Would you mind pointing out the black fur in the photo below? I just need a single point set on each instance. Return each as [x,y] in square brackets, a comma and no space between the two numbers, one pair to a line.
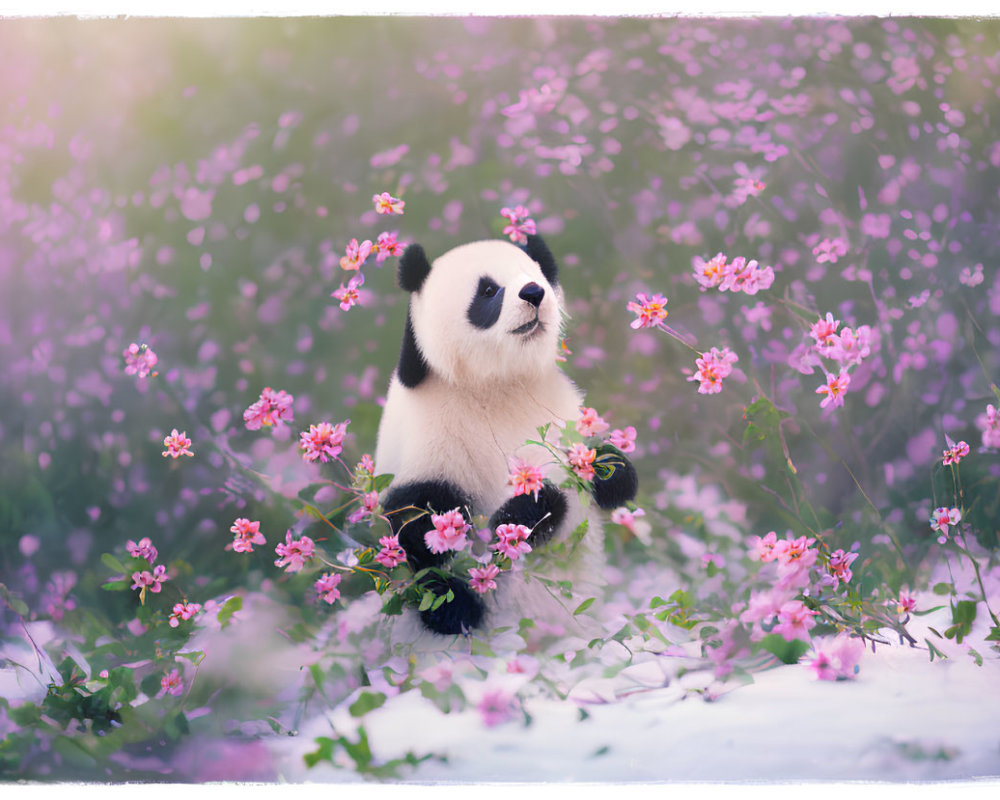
[543,516]
[539,252]
[413,268]
[621,485]
[411,525]
[462,614]
[485,308]
[412,367]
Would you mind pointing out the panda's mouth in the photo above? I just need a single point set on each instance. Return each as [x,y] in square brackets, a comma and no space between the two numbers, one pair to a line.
[528,327]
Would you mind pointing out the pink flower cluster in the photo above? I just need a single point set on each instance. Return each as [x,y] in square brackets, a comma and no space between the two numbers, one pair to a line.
[830,250]
[590,423]
[650,311]
[713,368]
[172,683]
[177,444]
[270,409]
[369,503]
[356,253]
[139,360]
[840,567]
[847,347]
[245,535]
[150,580]
[835,659]
[448,532]
[144,549]
[294,554]
[512,541]
[520,224]
[941,519]
[738,275]
[581,459]
[183,611]
[323,441]
[326,587]
[392,554]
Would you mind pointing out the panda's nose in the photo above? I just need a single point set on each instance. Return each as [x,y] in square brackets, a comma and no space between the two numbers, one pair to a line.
[533,293]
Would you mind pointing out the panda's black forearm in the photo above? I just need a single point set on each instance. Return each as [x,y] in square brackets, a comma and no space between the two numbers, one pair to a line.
[409,508]
[618,487]
[463,613]
[543,516]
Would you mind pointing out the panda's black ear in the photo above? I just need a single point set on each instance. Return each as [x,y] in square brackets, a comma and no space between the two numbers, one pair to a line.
[413,268]
[412,368]
[539,252]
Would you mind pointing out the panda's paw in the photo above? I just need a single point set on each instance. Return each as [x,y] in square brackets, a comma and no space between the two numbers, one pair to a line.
[409,507]
[463,613]
[543,516]
[616,481]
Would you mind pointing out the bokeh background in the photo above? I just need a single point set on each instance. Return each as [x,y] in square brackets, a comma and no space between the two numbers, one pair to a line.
[192,185]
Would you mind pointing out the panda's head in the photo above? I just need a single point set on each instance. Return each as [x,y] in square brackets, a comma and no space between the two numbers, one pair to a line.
[483,313]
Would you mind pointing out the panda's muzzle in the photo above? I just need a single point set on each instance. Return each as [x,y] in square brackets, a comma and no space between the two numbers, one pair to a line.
[531,293]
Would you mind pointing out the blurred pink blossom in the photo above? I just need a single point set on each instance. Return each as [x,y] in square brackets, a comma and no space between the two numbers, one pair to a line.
[183,611]
[391,555]
[270,409]
[581,459]
[139,360]
[835,659]
[624,440]
[385,203]
[526,478]
[520,224]
[482,579]
[172,683]
[369,502]
[177,445]
[326,587]
[590,423]
[941,519]
[496,707]
[795,620]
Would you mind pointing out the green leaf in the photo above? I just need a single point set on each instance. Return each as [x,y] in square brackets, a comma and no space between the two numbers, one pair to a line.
[115,586]
[994,635]
[367,701]
[943,588]
[323,753]
[426,601]
[382,482]
[787,652]
[393,606]
[113,563]
[584,605]
[230,607]
[16,603]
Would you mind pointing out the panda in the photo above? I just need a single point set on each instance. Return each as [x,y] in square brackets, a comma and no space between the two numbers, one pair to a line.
[477,376]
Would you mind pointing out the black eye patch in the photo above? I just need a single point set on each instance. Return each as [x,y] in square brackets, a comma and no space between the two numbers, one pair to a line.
[484,310]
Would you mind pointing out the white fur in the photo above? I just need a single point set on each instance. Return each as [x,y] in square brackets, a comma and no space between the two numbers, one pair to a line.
[486,394]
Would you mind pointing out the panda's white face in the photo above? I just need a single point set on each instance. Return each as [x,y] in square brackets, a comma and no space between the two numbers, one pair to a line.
[486,313]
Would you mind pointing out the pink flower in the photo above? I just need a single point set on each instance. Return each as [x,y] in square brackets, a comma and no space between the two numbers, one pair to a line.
[840,567]
[590,423]
[581,459]
[764,547]
[149,580]
[369,502]
[482,579]
[139,360]
[246,535]
[172,683]
[356,254]
[622,516]
[713,368]
[448,533]
[830,250]
[942,518]
[746,276]
[365,465]
[789,551]
[323,441]
[624,440]
[521,224]
[496,706]
[177,444]
[955,453]
[387,245]
[835,659]
[385,203]
[391,555]
[271,408]
[835,388]
[971,276]
[326,587]
[823,331]
[650,311]
[905,603]
[183,611]
[144,549]
[989,424]
[294,554]
[794,620]
[525,478]
[713,558]
[350,295]
[710,273]
[849,347]
[763,607]
[512,541]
